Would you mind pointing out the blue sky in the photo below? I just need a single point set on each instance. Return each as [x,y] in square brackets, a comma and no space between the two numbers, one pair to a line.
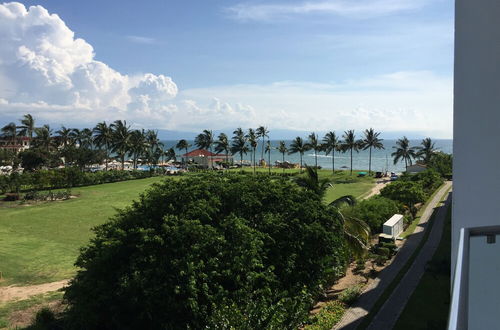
[346,64]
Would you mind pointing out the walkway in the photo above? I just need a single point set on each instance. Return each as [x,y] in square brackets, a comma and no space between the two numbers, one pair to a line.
[354,315]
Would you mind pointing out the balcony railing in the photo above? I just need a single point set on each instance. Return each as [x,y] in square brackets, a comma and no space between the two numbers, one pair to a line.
[475,302]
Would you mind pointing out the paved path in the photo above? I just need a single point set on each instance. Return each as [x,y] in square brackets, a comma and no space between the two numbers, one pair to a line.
[354,315]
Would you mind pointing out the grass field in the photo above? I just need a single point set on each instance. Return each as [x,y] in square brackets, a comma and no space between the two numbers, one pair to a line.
[39,243]
[429,304]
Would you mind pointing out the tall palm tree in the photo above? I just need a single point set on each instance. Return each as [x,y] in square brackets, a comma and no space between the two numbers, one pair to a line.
[152,144]
[137,146]
[183,145]
[103,137]
[426,150]
[44,137]
[350,143]
[10,131]
[205,141]
[403,151]
[371,140]
[252,140]
[283,150]
[298,146]
[27,126]
[331,144]
[268,151]
[120,139]
[170,154]
[262,132]
[64,136]
[86,139]
[222,145]
[313,144]
[239,144]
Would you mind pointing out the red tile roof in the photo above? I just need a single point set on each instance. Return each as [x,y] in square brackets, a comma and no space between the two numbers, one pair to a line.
[199,153]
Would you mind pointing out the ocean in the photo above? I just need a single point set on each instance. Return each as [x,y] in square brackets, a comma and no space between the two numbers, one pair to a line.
[381,159]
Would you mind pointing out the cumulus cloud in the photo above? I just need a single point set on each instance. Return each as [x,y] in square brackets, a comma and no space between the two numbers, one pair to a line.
[41,62]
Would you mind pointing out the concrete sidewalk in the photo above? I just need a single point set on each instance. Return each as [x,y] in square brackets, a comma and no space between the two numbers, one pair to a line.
[354,315]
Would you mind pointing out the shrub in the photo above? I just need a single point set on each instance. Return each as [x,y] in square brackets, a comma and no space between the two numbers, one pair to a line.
[351,294]
[375,211]
[383,251]
[211,251]
[381,260]
[390,246]
[406,192]
[430,180]
[360,266]
[328,316]
[11,197]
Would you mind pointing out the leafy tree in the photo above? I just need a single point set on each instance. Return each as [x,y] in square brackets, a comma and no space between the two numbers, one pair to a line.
[374,211]
[298,146]
[426,150]
[442,163]
[209,251]
[331,144]
[33,159]
[350,143]
[283,150]
[183,145]
[403,151]
[314,144]
[262,132]
[371,140]
[407,192]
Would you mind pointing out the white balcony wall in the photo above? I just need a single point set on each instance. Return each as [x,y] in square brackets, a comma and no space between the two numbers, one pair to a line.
[476,141]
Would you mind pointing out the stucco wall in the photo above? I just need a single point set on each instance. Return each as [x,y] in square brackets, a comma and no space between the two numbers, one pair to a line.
[476,141]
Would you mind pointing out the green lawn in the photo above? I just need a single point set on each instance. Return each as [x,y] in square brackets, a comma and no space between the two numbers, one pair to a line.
[40,243]
[429,304]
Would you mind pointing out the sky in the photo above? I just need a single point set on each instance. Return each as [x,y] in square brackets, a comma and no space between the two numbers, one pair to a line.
[312,65]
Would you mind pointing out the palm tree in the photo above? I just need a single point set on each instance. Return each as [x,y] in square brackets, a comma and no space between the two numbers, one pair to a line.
[403,151]
[298,146]
[44,137]
[283,150]
[137,146]
[313,144]
[120,139]
[262,132]
[350,143]
[268,150]
[10,131]
[102,138]
[222,145]
[426,150]
[152,144]
[331,144]
[170,154]
[27,126]
[370,141]
[183,145]
[252,140]
[311,181]
[239,144]
[205,141]
[64,136]
[86,139]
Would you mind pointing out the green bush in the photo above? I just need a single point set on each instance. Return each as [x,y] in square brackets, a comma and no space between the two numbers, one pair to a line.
[383,251]
[375,211]
[390,246]
[406,192]
[351,294]
[430,180]
[328,316]
[211,251]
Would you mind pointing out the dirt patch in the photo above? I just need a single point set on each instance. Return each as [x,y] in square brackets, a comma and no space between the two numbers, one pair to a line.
[12,293]
[381,183]
[23,318]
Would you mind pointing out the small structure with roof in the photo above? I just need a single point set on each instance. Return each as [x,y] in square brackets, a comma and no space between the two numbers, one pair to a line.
[206,158]
[416,168]
[393,227]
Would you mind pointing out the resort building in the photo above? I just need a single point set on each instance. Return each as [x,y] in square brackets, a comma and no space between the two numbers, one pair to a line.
[206,158]
[476,178]
[18,144]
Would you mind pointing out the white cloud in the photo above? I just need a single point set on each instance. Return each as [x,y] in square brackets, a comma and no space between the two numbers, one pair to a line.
[142,40]
[355,9]
[41,62]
